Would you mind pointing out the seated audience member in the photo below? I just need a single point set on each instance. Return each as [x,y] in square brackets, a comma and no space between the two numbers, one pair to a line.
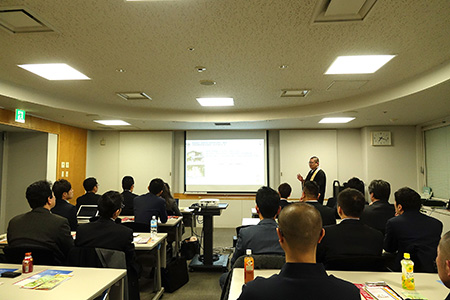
[355,183]
[350,237]
[284,190]
[310,195]
[300,229]
[106,233]
[150,204]
[379,211]
[62,189]
[171,206]
[90,198]
[443,261]
[40,227]
[412,232]
[128,196]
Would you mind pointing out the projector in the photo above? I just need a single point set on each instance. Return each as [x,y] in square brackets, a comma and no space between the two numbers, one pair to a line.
[209,203]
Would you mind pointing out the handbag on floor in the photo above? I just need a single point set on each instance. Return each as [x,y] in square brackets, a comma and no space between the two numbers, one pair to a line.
[190,247]
[175,275]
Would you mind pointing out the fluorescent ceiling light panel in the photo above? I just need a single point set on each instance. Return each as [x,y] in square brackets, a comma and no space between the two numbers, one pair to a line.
[112,122]
[216,101]
[359,64]
[336,120]
[55,71]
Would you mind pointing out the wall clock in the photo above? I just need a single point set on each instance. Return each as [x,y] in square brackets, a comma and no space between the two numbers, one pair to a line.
[381,138]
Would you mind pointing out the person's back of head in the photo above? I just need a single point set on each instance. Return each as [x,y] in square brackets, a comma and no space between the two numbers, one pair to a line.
[311,190]
[301,226]
[443,259]
[352,202]
[89,184]
[127,182]
[284,190]
[381,189]
[156,186]
[109,203]
[60,187]
[268,202]
[408,198]
[355,183]
[166,194]
[37,193]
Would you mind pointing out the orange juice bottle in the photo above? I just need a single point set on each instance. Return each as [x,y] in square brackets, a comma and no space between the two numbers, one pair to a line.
[249,267]
[407,272]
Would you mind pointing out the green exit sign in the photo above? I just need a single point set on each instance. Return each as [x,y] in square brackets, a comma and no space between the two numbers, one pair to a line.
[20,116]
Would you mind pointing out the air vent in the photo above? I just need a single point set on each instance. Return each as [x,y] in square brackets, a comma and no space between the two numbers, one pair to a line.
[22,20]
[294,93]
[342,10]
[344,85]
[134,96]
[222,124]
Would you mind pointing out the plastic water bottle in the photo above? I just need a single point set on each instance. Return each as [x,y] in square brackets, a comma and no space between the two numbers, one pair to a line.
[153,227]
[249,266]
[407,272]
[27,263]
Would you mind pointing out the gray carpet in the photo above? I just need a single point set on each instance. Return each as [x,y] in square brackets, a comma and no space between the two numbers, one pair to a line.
[202,285]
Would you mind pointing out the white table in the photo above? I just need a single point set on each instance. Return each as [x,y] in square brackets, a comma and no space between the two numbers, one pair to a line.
[86,283]
[428,285]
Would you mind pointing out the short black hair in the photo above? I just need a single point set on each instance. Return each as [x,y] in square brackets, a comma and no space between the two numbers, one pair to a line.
[381,189]
[355,183]
[109,203]
[268,201]
[408,198]
[311,189]
[37,193]
[127,182]
[285,190]
[60,187]
[352,202]
[156,186]
[89,184]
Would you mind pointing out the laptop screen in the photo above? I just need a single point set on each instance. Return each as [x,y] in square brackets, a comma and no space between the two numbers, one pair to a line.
[87,211]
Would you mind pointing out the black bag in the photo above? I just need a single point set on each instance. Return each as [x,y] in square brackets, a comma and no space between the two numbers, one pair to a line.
[175,275]
[189,248]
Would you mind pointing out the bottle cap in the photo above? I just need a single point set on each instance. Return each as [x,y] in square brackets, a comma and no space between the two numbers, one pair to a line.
[28,254]
[249,252]
[406,255]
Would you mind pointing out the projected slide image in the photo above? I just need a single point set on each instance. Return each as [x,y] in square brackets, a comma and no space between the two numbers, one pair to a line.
[194,164]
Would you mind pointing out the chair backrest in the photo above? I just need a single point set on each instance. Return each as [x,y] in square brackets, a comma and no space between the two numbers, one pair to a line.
[357,263]
[137,227]
[263,261]
[424,262]
[41,255]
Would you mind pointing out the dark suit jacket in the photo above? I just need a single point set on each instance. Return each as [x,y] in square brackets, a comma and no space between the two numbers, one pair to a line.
[68,211]
[128,200]
[321,180]
[300,281]
[326,213]
[284,203]
[350,237]
[261,238]
[377,214]
[87,199]
[42,228]
[414,233]
[148,205]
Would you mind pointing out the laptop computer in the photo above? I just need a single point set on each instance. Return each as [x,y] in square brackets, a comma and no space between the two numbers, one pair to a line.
[87,211]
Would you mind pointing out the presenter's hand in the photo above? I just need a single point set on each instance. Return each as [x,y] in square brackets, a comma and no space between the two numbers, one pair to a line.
[300,177]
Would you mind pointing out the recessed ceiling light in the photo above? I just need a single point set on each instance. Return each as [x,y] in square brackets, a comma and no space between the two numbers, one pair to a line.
[336,120]
[121,70]
[55,71]
[200,69]
[207,82]
[359,64]
[284,67]
[216,101]
[112,122]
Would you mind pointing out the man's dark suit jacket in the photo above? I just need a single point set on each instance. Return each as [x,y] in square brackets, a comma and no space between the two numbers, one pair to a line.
[261,238]
[377,214]
[300,281]
[148,205]
[68,211]
[321,180]
[128,200]
[350,237]
[42,228]
[284,203]
[87,199]
[414,233]
[326,213]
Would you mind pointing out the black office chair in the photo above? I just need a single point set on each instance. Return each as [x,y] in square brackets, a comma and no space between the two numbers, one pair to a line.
[41,255]
[371,263]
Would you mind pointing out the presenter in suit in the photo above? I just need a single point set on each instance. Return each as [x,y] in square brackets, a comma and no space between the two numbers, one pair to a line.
[443,261]
[317,175]
[300,229]
[90,198]
[128,196]
[62,189]
[151,204]
[310,195]
[106,233]
[350,237]
[40,227]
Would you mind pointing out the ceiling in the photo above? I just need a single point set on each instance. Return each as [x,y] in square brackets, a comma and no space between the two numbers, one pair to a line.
[242,45]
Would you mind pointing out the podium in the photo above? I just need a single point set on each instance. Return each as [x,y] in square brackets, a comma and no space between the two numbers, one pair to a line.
[208,261]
